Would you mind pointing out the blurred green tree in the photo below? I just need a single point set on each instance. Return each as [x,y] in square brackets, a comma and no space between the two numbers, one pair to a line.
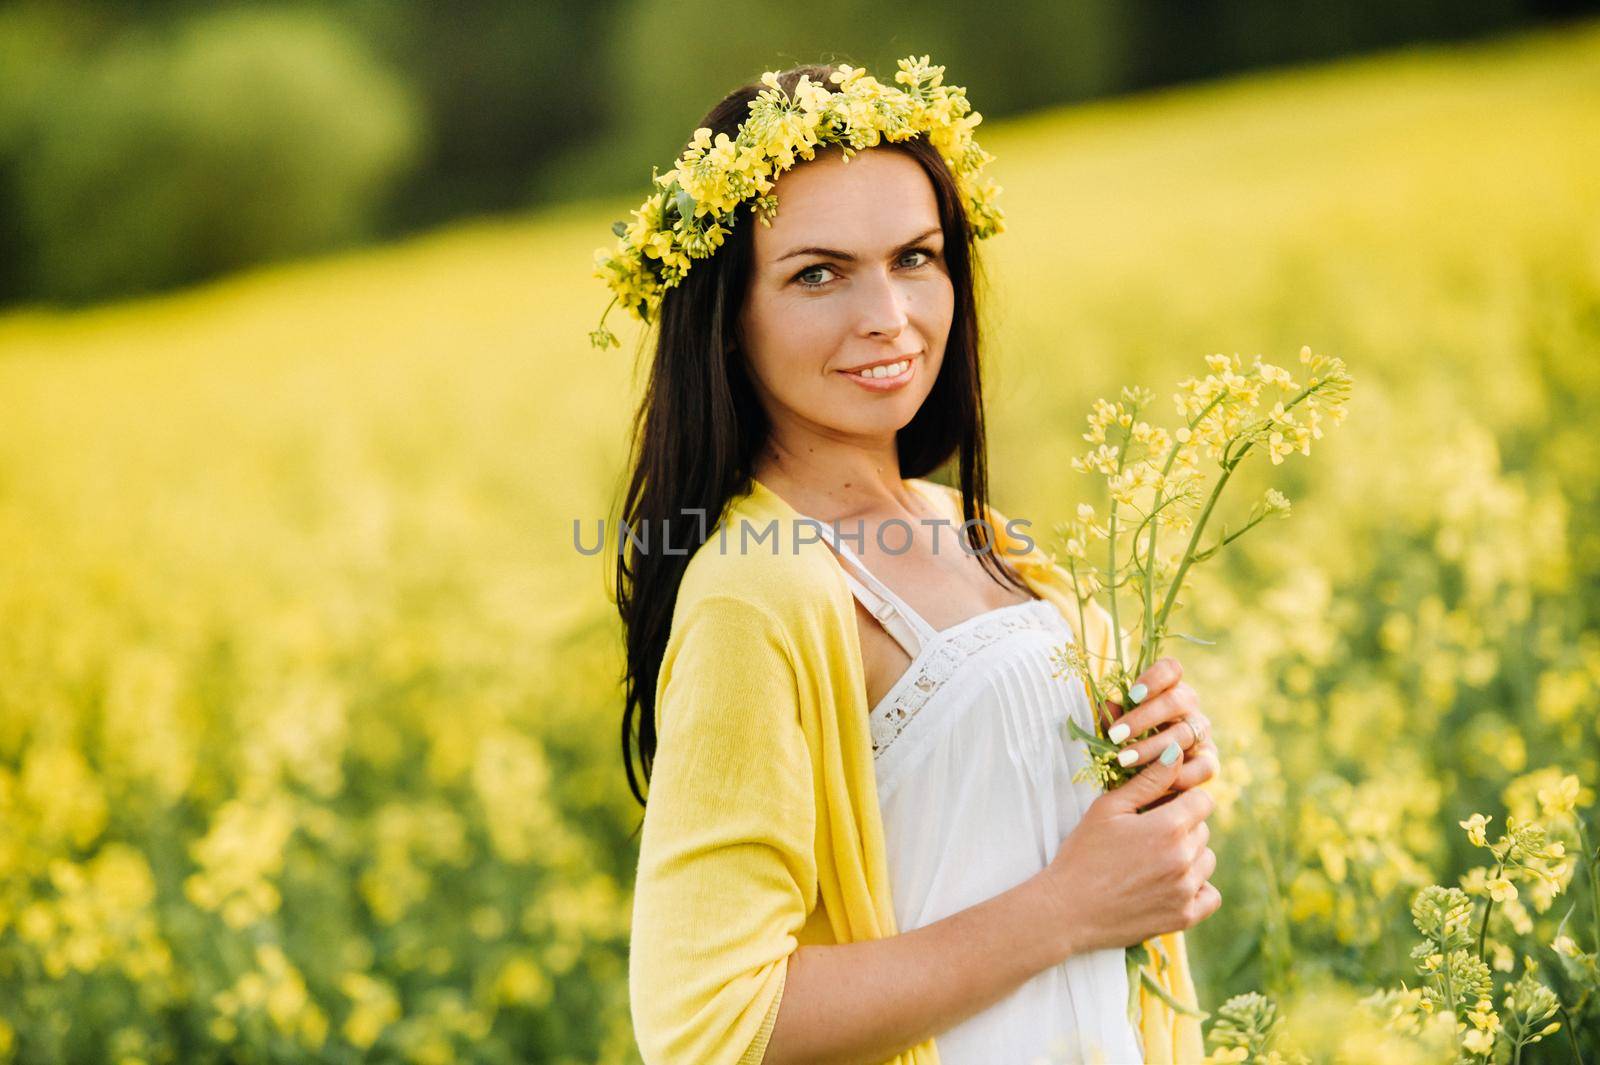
[183,151]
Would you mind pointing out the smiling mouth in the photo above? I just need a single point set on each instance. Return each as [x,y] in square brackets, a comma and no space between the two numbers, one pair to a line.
[888,378]
[893,369]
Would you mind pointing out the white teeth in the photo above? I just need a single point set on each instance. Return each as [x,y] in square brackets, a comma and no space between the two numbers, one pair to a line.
[894,369]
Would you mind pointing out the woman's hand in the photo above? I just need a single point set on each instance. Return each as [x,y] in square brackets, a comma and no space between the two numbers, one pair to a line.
[1173,708]
[1132,867]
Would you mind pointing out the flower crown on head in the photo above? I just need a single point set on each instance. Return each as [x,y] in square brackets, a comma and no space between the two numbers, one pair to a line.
[696,203]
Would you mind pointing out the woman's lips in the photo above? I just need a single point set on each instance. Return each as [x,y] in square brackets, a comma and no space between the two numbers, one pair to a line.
[886,384]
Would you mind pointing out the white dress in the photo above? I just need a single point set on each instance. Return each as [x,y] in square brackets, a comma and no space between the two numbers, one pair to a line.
[974,769]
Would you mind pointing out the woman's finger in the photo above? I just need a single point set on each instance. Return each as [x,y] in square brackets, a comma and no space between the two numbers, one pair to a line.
[1210,899]
[1144,750]
[1162,674]
[1169,706]
[1200,725]
[1201,763]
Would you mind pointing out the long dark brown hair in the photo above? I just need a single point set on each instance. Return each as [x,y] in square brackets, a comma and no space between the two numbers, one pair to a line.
[700,426]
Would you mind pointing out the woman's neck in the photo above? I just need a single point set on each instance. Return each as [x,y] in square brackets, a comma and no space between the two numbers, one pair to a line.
[832,480]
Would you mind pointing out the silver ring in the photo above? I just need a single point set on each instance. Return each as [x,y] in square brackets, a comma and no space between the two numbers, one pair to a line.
[1198,734]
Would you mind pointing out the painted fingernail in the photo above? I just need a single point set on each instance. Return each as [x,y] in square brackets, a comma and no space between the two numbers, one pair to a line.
[1170,755]
[1137,693]
[1118,733]
[1128,757]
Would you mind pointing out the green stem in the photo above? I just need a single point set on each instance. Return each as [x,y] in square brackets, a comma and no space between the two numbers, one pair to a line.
[1229,463]
[1152,643]
[1591,864]
[1147,646]
[1166,501]
[1566,1022]
[1111,561]
[1161,993]
[1194,539]
[1077,590]
[1229,538]
[1483,929]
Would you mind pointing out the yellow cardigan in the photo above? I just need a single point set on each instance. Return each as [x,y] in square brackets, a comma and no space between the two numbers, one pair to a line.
[762,832]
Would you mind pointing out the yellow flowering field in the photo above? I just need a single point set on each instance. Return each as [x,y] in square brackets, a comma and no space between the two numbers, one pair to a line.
[309,708]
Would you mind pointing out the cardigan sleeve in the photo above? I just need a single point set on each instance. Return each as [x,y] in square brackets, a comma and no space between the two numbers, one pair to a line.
[727,867]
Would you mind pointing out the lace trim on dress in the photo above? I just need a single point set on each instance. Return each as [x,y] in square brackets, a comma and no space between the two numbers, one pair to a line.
[906,700]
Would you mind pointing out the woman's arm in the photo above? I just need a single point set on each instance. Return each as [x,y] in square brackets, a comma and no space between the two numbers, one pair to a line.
[1123,874]
[726,871]
[865,1002]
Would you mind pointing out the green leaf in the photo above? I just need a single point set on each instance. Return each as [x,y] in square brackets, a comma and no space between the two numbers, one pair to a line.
[1096,742]
[619,228]
[1192,639]
[685,203]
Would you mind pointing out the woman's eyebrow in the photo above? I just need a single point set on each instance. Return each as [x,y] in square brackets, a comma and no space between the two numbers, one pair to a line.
[844,256]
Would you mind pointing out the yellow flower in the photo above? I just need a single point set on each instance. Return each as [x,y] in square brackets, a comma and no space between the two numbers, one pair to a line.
[1278,448]
[374,1007]
[1559,798]
[521,982]
[1227,1055]
[1475,826]
[1501,889]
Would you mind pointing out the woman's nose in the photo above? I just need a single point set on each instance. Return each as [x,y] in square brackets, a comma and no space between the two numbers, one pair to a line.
[885,306]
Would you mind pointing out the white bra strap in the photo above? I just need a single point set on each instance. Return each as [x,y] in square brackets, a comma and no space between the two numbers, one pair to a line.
[892,612]
[888,615]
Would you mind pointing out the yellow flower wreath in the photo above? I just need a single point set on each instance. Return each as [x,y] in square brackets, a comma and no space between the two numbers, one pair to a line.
[695,204]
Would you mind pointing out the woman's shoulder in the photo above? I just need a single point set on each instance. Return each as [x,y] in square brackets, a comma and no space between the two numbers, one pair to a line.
[759,555]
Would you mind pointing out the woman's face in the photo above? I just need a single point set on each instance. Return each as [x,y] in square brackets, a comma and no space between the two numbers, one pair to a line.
[850,274]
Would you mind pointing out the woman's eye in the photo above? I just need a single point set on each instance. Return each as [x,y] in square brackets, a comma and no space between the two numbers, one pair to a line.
[820,266]
[804,276]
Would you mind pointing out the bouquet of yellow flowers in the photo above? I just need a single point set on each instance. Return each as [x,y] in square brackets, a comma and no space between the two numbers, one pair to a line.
[1165,486]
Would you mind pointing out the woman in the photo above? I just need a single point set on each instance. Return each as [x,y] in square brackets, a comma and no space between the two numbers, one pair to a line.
[863,840]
